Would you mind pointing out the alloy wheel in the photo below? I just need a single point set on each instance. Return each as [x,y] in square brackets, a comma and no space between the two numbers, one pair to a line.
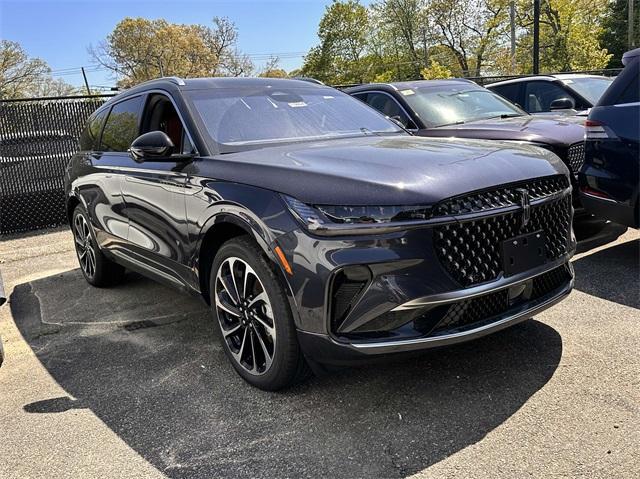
[245,316]
[84,246]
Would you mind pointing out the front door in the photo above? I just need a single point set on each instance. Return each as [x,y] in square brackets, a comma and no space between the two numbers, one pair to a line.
[154,196]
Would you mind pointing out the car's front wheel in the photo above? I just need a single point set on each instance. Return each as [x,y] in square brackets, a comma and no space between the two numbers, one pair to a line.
[258,333]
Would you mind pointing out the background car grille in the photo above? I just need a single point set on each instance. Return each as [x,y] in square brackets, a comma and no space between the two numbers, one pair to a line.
[471,251]
[488,306]
[575,155]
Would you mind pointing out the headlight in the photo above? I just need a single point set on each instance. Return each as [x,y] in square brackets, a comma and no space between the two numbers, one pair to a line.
[317,216]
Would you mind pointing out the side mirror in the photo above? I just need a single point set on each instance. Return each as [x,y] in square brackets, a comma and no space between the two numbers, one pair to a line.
[562,104]
[152,146]
[397,120]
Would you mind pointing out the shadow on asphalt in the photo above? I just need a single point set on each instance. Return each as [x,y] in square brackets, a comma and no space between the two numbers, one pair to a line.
[612,274]
[147,362]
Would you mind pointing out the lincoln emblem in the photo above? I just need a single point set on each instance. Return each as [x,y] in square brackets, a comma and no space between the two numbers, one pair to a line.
[526,206]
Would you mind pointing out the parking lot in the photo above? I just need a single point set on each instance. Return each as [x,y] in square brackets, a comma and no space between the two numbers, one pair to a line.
[132,382]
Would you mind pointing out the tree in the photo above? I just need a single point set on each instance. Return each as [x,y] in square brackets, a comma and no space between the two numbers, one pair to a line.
[22,77]
[403,25]
[471,30]
[343,32]
[614,34]
[272,69]
[139,49]
[569,35]
[435,71]
[19,74]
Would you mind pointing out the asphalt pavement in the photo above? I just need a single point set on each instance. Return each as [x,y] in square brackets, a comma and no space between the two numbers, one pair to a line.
[131,382]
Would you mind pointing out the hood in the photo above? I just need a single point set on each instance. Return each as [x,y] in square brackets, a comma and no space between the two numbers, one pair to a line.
[392,170]
[558,131]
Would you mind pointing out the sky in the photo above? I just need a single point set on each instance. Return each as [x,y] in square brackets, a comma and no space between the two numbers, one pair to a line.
[59,32]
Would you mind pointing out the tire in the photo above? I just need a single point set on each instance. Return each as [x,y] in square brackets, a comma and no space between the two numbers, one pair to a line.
[96,268]
[251,308]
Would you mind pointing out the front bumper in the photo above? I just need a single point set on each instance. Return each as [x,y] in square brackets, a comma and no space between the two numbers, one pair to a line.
[327,349]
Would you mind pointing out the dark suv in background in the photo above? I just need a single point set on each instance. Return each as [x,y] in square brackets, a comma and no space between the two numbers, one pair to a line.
[318,230]
[462,109]
[570,93]
[610,178]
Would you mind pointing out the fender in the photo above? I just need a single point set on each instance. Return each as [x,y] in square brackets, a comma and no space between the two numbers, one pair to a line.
[232,213]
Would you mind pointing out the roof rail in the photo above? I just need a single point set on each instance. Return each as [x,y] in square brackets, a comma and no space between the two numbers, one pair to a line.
[177,80]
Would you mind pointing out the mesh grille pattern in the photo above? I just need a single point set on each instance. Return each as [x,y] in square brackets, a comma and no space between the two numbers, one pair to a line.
[575,156]
[501,197]
[485,307]
[37,139]
[471,251]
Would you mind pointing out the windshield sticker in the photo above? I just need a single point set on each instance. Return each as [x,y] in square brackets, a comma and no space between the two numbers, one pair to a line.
[567,81]
[407,92]
[297,104]
[328,97]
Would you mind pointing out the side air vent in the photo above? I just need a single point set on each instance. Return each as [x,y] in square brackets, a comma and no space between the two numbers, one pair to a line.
[346,288]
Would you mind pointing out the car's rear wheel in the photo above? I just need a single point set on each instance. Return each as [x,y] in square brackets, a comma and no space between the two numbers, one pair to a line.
[97,269]
[255,320]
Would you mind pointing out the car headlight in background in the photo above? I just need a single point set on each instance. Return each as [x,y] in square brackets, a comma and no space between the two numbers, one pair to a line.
[315,217]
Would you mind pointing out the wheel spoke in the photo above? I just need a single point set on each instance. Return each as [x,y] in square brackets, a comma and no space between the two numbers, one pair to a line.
[260,297]
[232,263]
[223,281]
[229,332]
[267,357]
[238,355]
[253,351]
[270,330]
[227,308]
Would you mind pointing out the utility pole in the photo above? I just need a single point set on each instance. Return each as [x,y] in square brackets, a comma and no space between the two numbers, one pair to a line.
[536,37]
[631,25]
[512,21]
[86,82]
[426,48]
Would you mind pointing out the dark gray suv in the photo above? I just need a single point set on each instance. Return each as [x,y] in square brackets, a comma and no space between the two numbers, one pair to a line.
[319,231]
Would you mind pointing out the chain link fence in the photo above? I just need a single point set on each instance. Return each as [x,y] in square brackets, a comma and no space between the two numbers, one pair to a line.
[37,139]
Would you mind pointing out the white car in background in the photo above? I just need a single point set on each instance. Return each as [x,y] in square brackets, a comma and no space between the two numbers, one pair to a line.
[570,93]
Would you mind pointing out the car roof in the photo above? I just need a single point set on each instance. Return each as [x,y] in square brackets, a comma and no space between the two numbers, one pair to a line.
[629,55]
[172,84]
[557,76]
[404,85]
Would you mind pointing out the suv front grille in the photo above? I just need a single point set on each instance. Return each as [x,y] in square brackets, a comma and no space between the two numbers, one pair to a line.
[488,306]
[501,197]
[471,251]
[575,157]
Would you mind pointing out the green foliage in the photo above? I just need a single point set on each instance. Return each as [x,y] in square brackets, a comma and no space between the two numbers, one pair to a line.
[435,71]
[406,39]
[569,36]
[21,76]
[139,49]
[615,26]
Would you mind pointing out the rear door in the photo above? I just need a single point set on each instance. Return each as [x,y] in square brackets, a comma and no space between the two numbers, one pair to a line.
[105,156]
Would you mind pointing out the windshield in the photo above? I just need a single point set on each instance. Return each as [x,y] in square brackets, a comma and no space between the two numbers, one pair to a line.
[439,107]
[241,117]
[590,88]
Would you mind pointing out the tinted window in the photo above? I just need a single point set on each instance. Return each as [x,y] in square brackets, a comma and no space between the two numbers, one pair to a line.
[510,91]
[631,94]
[388,106]
[122,125]
[91,133]
[590,88]
[241,117]
[161,115]
[450,105]
[538,95]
